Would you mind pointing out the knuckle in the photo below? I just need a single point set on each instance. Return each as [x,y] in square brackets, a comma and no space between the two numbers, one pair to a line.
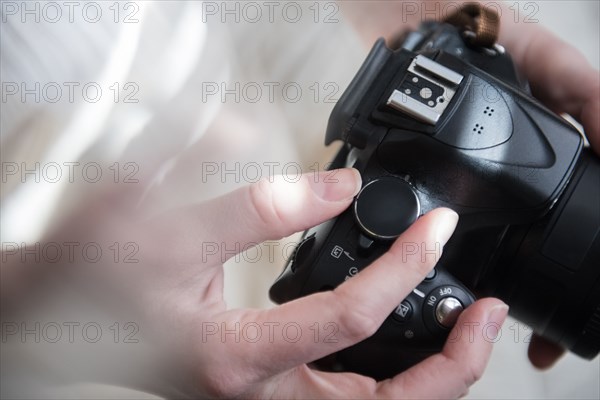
[419,258]
[472,371]
[221,385]
[357,320]
[264,204]
[473,374]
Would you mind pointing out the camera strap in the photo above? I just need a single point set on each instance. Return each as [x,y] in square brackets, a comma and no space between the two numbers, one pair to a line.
[480,25]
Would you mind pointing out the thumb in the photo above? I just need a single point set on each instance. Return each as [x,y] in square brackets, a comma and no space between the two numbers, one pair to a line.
[270,209]
[465,355]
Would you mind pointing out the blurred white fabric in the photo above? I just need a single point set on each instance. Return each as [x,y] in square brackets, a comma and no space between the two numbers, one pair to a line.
[177,129]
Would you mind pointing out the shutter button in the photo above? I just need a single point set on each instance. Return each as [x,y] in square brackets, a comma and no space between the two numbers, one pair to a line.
[447,311]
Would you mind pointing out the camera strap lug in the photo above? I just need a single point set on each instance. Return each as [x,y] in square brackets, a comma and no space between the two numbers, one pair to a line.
[480,25]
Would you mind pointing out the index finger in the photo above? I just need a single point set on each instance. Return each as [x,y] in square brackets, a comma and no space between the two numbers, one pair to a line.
[355,309]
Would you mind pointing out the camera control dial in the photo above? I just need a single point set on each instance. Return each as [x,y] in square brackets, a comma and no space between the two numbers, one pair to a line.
[386,207]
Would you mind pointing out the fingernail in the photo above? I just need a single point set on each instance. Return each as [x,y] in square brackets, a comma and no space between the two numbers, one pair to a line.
[336,185]
[446,225]
[497,315]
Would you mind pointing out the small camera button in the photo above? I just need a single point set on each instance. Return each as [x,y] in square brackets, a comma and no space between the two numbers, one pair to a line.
[431,275]
[403,312]
[365,245]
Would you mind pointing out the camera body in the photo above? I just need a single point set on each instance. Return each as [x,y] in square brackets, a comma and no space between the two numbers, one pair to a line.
[439,123]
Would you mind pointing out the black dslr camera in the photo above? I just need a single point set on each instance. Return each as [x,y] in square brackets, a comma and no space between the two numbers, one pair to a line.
[439,122]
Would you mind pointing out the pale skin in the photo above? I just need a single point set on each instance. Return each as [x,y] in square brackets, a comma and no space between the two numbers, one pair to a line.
[180,288]
[177,290]
[357,307]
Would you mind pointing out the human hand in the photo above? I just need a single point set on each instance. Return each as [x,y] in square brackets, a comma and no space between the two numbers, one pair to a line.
[194,346]
[221,364]
[559,75]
